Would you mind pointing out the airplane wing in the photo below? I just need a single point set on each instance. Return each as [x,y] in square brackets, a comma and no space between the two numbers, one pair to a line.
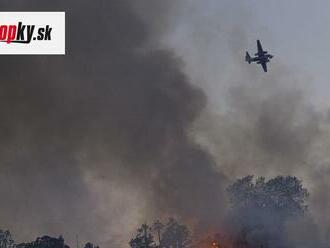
[264,66]
[260,50]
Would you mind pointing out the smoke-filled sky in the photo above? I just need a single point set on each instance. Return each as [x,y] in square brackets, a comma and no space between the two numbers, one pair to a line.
[153,111]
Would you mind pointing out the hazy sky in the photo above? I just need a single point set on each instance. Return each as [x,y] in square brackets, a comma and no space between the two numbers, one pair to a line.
[299,34]
[296,32]
[212,37]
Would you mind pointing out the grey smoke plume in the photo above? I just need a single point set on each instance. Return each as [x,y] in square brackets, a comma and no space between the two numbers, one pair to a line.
[94,140]
[255,123]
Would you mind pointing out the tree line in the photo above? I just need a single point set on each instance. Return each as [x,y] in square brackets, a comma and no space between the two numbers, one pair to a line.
[165,235]
[258,212]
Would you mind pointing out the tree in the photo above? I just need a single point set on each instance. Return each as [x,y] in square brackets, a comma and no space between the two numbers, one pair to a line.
[282,195]
[45,242]
[143,238]
[175,235]
[260,209]
[90,245]
[6,240]
[158,226]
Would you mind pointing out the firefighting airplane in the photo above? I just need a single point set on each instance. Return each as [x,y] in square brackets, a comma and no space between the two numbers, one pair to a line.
[262,57]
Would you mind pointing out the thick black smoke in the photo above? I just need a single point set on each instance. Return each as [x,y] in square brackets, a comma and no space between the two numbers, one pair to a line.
[109,117]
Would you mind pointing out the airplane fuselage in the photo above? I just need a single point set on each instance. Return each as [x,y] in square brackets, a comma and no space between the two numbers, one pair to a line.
[261,57]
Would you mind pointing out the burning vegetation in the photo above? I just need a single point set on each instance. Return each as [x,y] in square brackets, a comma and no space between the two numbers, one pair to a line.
[258,216]
[259,212]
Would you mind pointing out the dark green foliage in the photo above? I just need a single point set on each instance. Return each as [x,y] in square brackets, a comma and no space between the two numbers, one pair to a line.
[261,209]
[170,235]
[282,195]
[175,235]
[45,242]
[6,240]
[143,238]
[90,245]
[158,227]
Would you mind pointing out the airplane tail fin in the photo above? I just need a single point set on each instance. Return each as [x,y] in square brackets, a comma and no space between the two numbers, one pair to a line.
[248,58]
